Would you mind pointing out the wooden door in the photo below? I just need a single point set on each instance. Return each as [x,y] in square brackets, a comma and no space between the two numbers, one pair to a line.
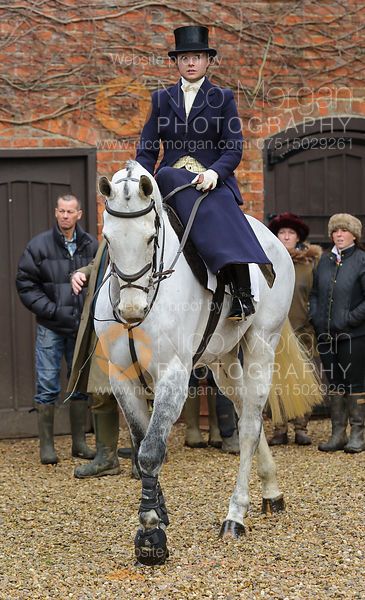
[316,172]
[30,183]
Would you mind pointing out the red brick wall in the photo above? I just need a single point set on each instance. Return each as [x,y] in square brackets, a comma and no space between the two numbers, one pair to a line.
[80,74]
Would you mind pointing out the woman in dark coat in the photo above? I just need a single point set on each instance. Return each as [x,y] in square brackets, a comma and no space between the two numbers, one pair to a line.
[200,130]
[337,309]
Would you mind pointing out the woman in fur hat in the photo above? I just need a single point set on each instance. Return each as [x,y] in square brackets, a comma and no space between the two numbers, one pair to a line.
[292,232]
[338,314]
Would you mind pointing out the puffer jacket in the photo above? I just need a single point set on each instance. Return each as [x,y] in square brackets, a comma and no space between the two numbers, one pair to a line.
[337,302]
[43,278]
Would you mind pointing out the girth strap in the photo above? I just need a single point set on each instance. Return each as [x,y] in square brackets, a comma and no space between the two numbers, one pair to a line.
[216,306]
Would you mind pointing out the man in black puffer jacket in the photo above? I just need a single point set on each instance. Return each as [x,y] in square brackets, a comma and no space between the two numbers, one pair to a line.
[43,284]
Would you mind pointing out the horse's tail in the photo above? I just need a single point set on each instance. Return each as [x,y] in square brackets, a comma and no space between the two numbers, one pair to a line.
[296,386]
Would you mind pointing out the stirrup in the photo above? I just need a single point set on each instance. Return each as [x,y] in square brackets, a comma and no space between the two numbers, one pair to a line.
[241,308]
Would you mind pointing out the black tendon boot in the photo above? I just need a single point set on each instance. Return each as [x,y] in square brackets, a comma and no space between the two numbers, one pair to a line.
[242,305]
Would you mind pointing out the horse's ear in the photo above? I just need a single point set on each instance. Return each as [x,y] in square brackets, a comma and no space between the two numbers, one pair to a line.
[145,186]
[105,187]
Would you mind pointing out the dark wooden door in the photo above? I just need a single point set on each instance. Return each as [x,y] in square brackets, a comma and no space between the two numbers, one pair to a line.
[317,171]
[29,186]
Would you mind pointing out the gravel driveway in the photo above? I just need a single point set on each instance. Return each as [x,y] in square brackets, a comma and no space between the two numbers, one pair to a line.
[66,538]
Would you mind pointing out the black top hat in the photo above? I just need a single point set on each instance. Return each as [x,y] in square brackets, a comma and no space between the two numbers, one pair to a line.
[192,38]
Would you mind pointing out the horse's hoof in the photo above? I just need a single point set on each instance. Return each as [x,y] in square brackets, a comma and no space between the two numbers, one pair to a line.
[150,547]
[271,506]
[232,529]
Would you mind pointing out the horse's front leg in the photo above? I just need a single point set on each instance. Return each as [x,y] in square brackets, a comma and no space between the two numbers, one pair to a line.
[170,394]
[135,410]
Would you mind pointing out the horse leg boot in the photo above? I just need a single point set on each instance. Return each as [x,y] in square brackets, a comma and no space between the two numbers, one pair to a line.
[193,436]
[78,417]
[45,431]
[242,305]
[215,439]
[106,420]
[356,441]
[151,542]
[339,418]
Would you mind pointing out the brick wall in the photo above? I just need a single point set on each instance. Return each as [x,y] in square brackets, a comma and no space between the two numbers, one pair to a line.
[81,75]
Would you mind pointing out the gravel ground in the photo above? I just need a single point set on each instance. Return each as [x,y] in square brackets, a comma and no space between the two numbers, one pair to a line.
[65,538]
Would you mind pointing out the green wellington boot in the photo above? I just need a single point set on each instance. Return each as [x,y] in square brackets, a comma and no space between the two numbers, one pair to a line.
[356,441]
[45,430]
[106,460]
[339,418]
[78,418]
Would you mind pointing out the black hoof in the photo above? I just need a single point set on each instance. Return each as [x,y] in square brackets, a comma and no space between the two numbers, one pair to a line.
[232,529]
[150,547]
[271,506]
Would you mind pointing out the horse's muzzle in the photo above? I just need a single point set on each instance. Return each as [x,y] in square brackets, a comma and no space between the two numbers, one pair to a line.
[133,309]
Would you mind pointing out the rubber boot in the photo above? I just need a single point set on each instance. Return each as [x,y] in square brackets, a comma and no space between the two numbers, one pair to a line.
[45,431]
[106,460]
[339,417]
[356,443]
[193,436]
[78,417]
[279,436]
[301,432]
[215,439]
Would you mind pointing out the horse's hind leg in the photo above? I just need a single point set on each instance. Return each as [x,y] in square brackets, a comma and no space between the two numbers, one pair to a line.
[272,498]
[248,389]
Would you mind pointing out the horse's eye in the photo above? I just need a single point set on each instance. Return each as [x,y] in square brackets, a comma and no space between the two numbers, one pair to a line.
[150,240]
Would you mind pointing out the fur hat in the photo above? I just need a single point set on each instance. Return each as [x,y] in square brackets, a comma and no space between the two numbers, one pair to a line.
[345,221]
[292,221]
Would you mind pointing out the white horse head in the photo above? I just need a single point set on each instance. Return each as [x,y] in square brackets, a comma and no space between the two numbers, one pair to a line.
[132,192]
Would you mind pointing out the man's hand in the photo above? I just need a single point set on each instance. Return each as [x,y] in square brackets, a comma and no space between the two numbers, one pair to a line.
[77,282]
[206,181]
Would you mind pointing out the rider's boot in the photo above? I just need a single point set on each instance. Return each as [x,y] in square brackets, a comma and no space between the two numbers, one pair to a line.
[242,305]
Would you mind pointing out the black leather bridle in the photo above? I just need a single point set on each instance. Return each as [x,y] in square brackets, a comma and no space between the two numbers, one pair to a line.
[158,274]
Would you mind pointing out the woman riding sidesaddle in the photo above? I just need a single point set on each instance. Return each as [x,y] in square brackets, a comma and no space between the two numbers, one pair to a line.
[200,130]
